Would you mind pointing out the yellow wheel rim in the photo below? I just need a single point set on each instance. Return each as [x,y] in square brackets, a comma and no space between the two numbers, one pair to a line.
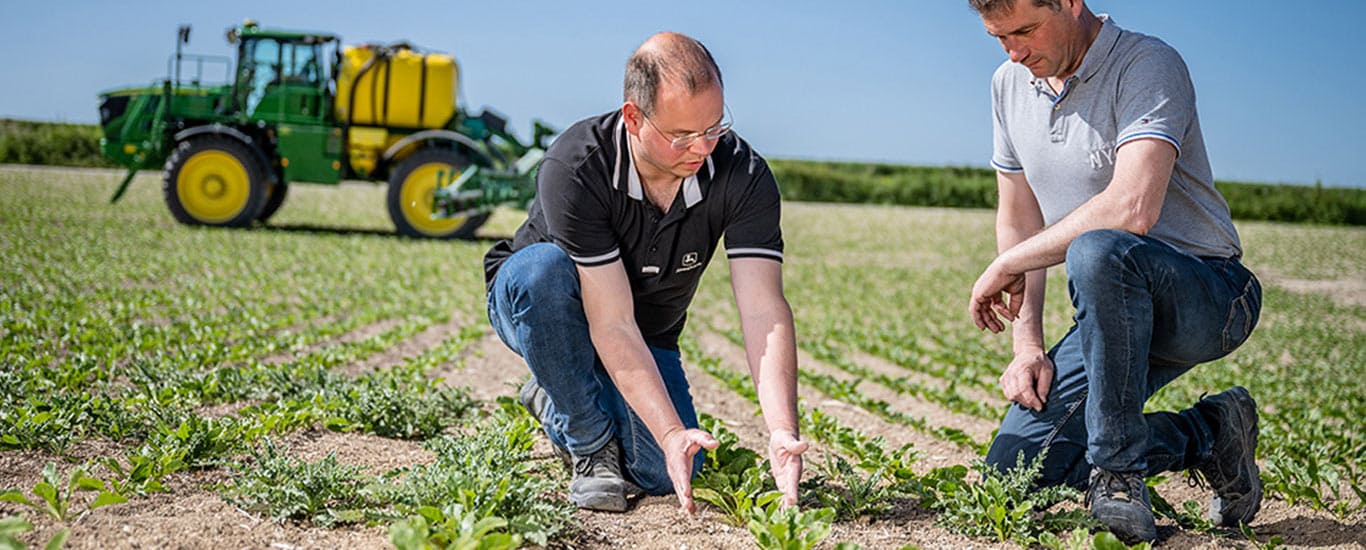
[415,199]
[213,186]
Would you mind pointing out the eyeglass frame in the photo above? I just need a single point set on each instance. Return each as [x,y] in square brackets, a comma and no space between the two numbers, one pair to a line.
[714,133]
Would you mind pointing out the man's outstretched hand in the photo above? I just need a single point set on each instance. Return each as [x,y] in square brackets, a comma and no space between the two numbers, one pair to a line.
[785,458]
[987,300]
[679,448]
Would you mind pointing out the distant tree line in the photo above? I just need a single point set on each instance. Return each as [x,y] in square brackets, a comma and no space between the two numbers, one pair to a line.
[968,187]
[62,144]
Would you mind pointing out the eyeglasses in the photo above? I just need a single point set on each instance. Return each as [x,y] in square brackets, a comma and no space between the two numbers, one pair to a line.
[685,141]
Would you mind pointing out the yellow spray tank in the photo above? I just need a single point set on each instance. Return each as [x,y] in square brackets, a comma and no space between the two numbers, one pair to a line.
[395,87]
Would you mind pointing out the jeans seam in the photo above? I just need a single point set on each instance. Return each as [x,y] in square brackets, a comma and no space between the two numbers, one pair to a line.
[1057,427]
[1125,436]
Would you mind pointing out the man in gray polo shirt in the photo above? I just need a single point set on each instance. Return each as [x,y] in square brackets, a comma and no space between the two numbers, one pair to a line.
[1101,165]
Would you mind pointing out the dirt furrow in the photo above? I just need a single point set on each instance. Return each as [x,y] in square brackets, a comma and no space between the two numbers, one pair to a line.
[883,366]
[408,348]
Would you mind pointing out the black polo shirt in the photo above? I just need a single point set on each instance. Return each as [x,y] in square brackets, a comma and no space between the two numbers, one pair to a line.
[589,202]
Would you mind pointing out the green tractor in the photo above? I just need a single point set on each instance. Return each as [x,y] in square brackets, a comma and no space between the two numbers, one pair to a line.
[300,107]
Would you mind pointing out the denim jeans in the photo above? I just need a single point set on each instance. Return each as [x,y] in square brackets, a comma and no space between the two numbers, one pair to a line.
[1146,312]
[537,310]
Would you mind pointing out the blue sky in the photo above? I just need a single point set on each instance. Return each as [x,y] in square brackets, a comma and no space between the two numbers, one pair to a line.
[1281,96]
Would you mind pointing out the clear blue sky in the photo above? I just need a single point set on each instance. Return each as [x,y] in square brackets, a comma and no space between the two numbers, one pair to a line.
[1282,98]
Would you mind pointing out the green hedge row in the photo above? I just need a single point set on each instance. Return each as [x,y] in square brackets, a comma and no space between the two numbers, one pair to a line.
[59,144]
[957,186]
[25,142]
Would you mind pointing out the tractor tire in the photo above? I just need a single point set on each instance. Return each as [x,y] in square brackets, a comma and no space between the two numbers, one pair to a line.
[411,186]
[274,198]
[215,181]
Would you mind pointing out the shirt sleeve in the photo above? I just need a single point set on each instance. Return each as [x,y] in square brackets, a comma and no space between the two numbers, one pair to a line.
[1156,98]
[1003,156]
[753,228]
[577,219]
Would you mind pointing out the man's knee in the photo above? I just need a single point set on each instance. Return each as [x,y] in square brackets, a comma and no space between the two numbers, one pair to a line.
[1098,255]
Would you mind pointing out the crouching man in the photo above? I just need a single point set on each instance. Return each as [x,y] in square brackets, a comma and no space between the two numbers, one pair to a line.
[1101,166]
[594,288]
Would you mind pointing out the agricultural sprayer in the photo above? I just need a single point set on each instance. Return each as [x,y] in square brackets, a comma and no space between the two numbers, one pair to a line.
[299,107]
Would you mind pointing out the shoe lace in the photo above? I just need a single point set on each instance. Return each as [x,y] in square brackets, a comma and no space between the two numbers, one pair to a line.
[606,457]
[1195,478]
[1115,486]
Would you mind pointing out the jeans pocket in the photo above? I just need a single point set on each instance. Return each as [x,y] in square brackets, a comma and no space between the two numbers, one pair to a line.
[1242,315]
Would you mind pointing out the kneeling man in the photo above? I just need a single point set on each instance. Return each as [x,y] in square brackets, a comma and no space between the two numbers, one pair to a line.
[594,288]
[1101,166]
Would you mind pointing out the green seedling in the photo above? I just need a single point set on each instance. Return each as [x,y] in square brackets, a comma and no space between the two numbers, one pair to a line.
[53,498]
[777,528]
[452,528]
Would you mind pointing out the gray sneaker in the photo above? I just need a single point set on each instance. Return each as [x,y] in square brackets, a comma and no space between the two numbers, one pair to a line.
[534,399]
[1119,501]
[1231,470]
[598,483]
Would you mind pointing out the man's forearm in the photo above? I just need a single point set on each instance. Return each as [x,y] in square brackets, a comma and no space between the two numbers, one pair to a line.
[1027,329]
[1132,202]
[628,361]
[770,347]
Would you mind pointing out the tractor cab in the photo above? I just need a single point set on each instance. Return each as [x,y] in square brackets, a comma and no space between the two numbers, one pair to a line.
[282,77]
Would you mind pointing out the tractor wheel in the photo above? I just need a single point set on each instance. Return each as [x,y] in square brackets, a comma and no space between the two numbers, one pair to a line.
[214,180]
[274,198]
[411,186]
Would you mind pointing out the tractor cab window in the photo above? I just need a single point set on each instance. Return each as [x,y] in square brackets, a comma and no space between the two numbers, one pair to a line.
[302,64]
[259,68]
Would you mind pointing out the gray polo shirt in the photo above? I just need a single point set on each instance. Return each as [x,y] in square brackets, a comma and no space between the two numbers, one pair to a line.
[1129,86]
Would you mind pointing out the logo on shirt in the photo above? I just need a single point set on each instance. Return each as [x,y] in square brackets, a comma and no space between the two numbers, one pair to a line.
[691,261]
[1102,157]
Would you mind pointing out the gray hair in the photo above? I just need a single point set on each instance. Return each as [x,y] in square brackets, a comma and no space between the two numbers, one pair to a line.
[998,7]
[669,57]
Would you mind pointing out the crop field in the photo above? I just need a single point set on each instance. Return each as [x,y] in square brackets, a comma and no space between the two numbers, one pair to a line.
[321,383]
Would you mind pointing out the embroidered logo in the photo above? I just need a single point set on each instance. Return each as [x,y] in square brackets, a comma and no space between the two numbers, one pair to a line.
[690,262]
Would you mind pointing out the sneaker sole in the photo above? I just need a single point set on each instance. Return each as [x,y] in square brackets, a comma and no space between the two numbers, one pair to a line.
[602,502]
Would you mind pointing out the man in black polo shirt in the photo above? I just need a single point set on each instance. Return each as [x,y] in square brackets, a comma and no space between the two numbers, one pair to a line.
[594,288]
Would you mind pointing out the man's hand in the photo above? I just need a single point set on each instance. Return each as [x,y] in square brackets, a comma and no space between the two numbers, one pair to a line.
[785,458]
[679,447]
[986,301]
[1028,378]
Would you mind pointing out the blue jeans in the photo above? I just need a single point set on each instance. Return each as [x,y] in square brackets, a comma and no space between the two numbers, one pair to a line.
[1146,312]
[536,308]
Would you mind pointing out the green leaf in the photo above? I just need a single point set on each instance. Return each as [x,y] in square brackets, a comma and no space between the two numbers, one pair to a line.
[87,483]
[47,492]
[58,540]
[17,498]
[1105,540]
[14,525]
[106,498]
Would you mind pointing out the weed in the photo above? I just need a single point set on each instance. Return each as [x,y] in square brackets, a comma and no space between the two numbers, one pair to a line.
[284,487]
[1005,507]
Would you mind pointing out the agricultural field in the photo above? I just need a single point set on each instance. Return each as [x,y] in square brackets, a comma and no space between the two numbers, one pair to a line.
[321,383]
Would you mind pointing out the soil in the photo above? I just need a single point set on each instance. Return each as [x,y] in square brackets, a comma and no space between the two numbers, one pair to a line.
[193,515]
[1346,292]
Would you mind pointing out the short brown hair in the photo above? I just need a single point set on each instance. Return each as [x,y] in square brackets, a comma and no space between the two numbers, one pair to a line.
[668,56]
[995,7]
